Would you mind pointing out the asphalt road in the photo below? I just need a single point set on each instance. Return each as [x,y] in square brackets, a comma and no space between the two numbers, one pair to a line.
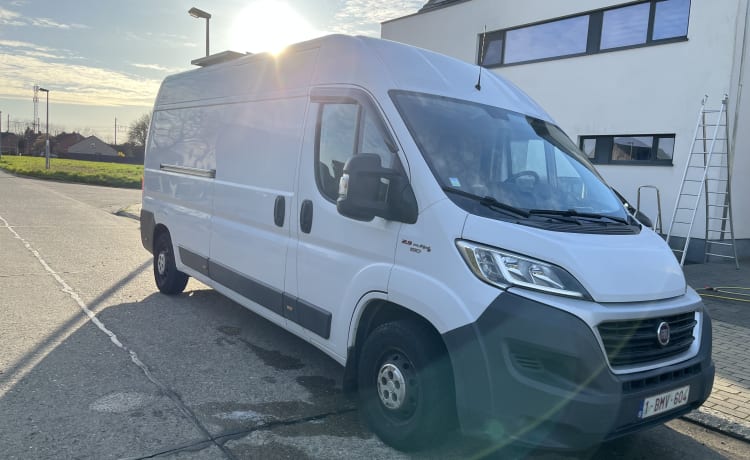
[94,363]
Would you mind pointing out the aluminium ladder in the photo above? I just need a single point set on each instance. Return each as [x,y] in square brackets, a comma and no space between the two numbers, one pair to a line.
[708,176]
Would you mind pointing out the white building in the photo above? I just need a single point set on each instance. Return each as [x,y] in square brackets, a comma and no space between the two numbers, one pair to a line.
[612,74]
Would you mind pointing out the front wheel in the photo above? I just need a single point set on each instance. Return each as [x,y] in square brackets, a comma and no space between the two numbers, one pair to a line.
[406,390]
[169,280]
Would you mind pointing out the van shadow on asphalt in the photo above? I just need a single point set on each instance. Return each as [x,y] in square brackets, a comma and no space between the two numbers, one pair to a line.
[228,378]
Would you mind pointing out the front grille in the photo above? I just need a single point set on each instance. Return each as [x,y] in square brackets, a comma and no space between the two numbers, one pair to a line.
[591,228]
[636,342]
[635,385]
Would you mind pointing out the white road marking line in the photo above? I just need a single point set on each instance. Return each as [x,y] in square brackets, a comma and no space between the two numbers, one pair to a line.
[113,337]
[74,295]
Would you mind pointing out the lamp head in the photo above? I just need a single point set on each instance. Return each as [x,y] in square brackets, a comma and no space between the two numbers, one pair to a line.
[196,13]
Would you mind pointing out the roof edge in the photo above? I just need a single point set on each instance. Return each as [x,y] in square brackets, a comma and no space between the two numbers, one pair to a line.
[427,8]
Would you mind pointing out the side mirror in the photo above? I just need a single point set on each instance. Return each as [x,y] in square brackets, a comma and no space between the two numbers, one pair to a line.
[639,216]
[644,219]
[367,190]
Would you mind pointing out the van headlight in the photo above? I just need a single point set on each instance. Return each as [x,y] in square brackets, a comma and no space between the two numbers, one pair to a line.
[504,269]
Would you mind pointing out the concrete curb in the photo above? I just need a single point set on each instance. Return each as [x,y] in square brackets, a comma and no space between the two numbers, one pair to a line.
[720,423]
[131,212]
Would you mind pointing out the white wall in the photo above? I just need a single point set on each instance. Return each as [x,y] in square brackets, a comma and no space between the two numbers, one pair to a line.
[649,90]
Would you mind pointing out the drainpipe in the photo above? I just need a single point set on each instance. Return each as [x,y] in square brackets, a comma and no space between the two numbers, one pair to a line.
[740,77]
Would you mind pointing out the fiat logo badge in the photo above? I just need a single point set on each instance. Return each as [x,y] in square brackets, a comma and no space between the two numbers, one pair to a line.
[662,333]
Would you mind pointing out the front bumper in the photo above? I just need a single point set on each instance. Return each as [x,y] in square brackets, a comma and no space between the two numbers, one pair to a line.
[533,373]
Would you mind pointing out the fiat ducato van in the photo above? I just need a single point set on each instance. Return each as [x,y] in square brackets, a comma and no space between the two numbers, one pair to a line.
[435,233]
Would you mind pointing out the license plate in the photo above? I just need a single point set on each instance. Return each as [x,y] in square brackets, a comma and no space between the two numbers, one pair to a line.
[664,402]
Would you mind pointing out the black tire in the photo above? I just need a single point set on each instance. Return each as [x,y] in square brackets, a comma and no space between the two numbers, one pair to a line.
[168,279]
[427,407]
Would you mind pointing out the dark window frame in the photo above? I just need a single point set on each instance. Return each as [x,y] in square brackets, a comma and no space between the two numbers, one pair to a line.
[594,35]
[604,147]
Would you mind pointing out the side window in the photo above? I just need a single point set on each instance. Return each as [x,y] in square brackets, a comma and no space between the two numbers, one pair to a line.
[373,140]
[346,129]
[568,179]
[337,141]
[529,156]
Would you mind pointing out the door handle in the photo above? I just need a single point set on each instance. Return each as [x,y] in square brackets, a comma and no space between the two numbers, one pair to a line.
[279,210]
[306,216]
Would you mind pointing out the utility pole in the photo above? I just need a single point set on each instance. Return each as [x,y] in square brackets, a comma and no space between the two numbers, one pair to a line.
[36,109]
[1,133]
[46,145]
[115,132]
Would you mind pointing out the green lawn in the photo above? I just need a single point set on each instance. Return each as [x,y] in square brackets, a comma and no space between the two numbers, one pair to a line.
[86,172]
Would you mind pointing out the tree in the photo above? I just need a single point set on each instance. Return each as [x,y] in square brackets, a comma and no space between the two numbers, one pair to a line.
[139,129]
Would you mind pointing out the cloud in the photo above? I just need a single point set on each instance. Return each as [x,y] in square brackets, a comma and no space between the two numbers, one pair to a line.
[74,84]
[11,18]
[363,17]
[42,54]
[157,67]
[30,49]
[49,23]
[19,44]
[161,39]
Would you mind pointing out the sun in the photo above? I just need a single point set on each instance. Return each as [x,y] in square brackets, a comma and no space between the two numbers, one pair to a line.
[269,26]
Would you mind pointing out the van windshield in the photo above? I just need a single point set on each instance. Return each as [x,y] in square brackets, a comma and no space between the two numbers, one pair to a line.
[508,160]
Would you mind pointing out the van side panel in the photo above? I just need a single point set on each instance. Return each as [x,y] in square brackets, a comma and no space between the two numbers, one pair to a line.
[257,157]
[178,187]
[255,77]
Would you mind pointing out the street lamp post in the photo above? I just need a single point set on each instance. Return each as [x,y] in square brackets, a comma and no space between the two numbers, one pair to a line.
[46,144]
[196,13]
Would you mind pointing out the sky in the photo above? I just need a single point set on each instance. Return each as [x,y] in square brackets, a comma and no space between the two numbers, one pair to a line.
[103,60]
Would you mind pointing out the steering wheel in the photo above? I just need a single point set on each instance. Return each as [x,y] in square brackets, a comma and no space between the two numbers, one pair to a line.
[529,173]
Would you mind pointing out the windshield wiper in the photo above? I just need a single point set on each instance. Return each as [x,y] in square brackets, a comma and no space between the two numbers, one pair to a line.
[490,202]
[574,213]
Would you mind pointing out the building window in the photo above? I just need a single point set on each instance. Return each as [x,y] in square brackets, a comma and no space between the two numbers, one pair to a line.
[625,26]
[646,149]
[493,50]
[551,39]
[647,23]
[671,19]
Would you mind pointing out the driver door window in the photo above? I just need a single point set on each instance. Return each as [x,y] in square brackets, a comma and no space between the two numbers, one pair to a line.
[346,129]
[337,138]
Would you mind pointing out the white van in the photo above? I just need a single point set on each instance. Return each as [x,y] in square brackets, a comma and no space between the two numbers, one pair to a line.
[435,234]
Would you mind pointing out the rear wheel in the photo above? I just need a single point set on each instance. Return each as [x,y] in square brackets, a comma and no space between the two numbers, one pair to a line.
[169,280]
[405,385]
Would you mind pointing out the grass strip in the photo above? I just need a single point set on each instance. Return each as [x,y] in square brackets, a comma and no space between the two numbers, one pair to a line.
[79,171]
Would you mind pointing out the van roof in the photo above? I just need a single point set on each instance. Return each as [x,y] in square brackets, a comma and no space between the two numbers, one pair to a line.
[374,64]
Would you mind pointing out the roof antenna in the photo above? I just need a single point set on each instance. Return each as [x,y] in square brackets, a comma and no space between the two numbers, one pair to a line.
[478,86]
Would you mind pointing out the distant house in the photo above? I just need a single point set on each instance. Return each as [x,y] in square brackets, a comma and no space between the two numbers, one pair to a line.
[64,141]
[92,146]
[8,143]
